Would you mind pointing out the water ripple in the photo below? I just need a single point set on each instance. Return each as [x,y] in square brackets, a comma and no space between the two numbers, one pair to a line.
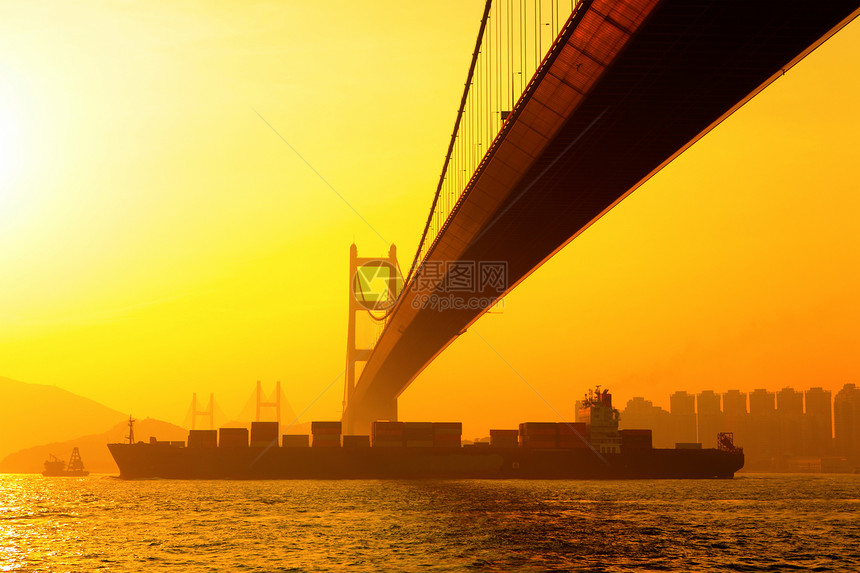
[752,523]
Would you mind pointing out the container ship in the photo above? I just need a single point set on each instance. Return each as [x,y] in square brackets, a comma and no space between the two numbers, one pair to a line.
[591,448]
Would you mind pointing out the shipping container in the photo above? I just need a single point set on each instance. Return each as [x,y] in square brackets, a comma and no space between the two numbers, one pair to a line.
[446,441]
[356,441]
[387,442]
[264,432]
[688,446]
[504,438]
[203,439]
[448,429]
[295,440]
[387,428]
[637,432]
[420,443]
[538,442]
[572,435]
[418,430]
[635,439]
[571,429]
[505,442]
[447,434]
[321,428]
[504,434]
[573,444]
[453,439]
[233,437]
[539,445]
[326,441]
[538,435]
[539,429]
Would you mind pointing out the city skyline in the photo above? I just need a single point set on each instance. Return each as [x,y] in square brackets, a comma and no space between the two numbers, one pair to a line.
[770,426]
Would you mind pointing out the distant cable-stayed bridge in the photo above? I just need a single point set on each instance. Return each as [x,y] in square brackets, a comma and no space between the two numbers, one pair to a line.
[567,109]
[206,413]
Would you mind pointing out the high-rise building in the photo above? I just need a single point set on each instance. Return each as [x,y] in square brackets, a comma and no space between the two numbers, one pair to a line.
[762,402]
[735,416]
[790,423]
[761,444]
[789,401]
[846,419]
[710,418]
[682,417]
[643,414]
[734,403]
[818,426]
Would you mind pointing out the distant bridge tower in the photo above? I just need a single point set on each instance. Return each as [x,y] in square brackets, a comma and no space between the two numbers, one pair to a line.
[210,413]
[261,403]
[363,298]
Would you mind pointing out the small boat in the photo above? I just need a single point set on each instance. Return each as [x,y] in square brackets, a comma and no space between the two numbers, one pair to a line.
[54,466]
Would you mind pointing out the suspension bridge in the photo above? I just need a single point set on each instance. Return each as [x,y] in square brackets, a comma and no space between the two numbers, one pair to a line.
[567,109]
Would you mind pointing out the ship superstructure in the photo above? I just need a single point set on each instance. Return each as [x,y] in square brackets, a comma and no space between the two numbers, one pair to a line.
[55,467]
[601,421]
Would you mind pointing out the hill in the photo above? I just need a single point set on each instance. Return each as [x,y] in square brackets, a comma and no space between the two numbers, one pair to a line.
[93,448]
[33,414]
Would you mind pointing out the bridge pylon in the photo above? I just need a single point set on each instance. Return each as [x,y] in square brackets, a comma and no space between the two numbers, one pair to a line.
[365,296]
[261,403]
[210,413]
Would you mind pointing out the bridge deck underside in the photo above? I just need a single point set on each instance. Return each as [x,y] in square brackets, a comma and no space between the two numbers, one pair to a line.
[689,64]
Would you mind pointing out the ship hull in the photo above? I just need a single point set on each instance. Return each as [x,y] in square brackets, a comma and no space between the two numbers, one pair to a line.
[136,461]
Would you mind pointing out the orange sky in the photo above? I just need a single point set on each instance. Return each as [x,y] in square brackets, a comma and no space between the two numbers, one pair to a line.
[158,239]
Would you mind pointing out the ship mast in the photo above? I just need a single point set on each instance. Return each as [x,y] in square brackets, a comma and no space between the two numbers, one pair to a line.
[130,435]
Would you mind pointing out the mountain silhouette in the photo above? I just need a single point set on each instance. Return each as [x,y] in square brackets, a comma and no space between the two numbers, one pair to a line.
[93,448]
[34,414]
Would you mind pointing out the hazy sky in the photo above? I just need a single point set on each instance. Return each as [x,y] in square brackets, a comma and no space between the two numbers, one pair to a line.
[157,238]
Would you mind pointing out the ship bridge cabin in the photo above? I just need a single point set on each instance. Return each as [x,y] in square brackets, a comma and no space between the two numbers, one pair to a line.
[601,421]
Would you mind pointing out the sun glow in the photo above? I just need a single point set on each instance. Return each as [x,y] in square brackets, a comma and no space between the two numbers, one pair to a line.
[15,147]
[10,134]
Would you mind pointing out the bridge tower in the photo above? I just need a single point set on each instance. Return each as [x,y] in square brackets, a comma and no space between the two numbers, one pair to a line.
[261,403]
[362,298]
[209,413]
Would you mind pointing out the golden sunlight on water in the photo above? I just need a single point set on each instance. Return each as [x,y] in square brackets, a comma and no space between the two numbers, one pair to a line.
[751,523]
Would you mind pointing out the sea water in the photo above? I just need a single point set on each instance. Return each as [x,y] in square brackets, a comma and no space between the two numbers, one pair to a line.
[750,523]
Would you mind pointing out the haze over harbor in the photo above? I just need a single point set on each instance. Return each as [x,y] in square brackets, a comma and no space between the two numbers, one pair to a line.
[657,197]
[201,254]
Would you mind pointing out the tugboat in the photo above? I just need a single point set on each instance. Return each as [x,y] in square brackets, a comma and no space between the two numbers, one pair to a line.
[54,466]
